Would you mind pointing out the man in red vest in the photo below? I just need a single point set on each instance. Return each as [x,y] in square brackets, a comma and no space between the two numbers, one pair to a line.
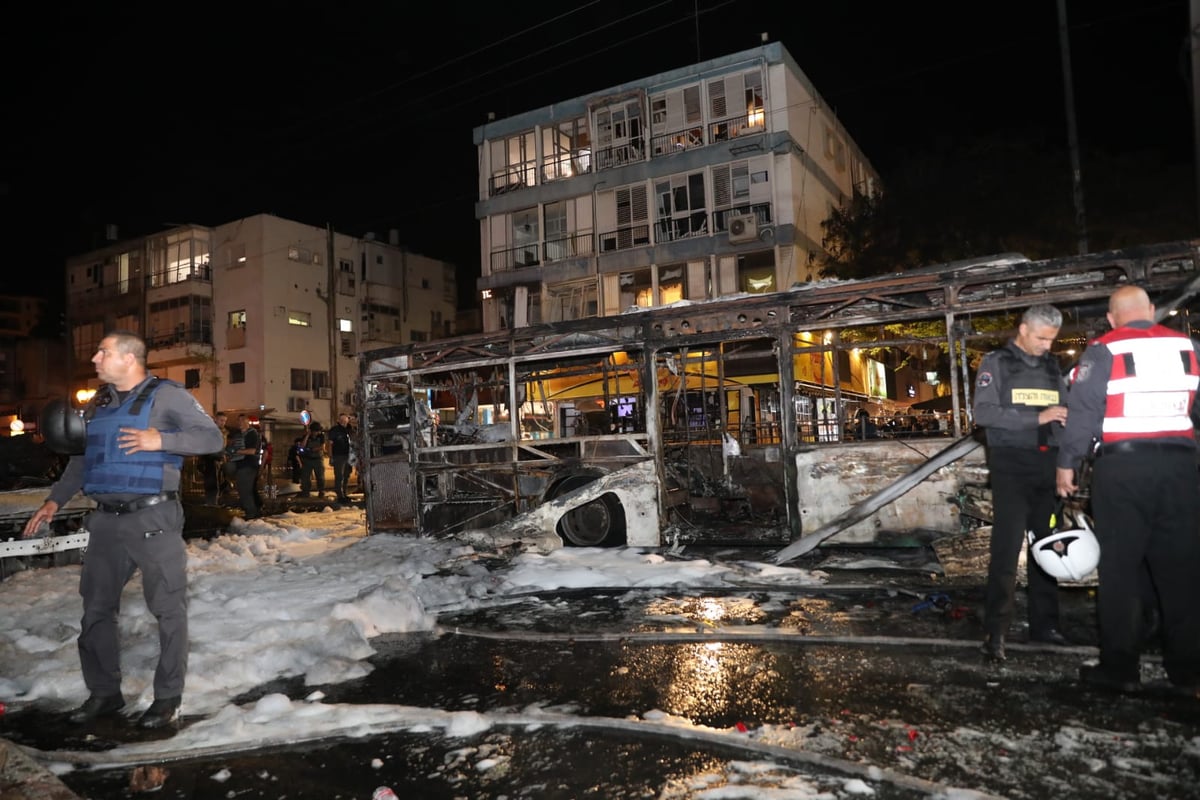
[1134,394]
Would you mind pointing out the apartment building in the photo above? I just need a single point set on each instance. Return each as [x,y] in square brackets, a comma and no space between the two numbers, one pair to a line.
[705,181]
[261,314]
[22,357]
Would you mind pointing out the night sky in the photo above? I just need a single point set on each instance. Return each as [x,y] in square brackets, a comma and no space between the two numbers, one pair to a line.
[361,114]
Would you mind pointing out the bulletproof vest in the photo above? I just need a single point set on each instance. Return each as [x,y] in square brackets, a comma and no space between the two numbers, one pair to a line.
[1038,386]
[110,470]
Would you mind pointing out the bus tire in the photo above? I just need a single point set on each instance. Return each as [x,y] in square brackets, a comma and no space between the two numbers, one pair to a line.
[600,523]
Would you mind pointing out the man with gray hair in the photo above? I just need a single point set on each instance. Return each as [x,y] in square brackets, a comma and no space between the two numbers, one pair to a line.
[1020,401]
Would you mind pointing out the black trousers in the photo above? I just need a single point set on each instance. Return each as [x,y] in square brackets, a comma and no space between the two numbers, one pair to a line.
[1147,512]
[247,488]
[1023,498]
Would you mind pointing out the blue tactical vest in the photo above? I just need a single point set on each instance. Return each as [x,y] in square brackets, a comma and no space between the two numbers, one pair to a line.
[108,470]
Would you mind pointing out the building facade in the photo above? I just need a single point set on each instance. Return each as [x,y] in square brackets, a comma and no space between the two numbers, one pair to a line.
[261,314]
[701,182]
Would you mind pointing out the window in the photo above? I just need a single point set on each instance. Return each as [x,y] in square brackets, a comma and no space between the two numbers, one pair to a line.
[566,150]
[300,318]
[301,380]
[741,187]
[525,236]
[345,325]
[418,336]
[180,320]
[191,379]
[835,149]
[671,285]
[304,255]
[345,277]
[629,209]
[235,254]
[571,301]
[514,163]
[619,135]
[178,257]
[681,207]
[735,105]
[756,272]
[637,289]
[320,380]
[676,121]
[237,319]
[237,372]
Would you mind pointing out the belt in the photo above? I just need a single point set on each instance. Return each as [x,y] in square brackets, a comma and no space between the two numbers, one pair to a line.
[136,505]
[1131,446]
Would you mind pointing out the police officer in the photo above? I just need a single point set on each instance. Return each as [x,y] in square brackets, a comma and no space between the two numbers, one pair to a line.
[1134,392]
[243,449]
[1019,396]
[128,460]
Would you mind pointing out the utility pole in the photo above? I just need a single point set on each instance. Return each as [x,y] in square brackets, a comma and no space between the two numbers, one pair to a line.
[335,350]
[1072,133]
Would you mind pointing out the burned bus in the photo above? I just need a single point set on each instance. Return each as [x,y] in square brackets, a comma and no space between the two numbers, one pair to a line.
[748,419]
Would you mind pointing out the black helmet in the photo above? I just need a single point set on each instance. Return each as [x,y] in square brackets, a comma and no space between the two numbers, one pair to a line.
[63,428]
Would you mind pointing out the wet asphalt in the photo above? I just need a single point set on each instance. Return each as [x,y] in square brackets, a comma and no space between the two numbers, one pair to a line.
[876,667]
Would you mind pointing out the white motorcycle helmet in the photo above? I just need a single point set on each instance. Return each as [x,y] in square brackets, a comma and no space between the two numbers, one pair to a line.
[1068,555]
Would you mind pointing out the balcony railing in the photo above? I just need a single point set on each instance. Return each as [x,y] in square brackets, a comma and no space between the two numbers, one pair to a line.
[511,178]
[566,165]
[732,127]
[677,141]
[761,212]
[198,272]
[526,255]
[578,244]
[668,230]
[624,238]
[199,333]
[619,155]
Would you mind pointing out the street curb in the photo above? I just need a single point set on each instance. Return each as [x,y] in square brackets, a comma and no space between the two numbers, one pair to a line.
[22,778]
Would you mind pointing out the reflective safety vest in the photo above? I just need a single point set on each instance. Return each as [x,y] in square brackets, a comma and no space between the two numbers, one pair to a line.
[1152,386]
[108,469]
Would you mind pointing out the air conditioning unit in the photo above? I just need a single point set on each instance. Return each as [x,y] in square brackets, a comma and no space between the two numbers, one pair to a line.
[297,403]
[325,393]
[743,228]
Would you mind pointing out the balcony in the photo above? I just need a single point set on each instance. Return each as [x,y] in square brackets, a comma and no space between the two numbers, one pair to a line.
[620,155]
[185,345]
[669,230]
[526,255]
[624,238]
[566,165]
[761,212]
[511,178]
[578,244]
[677,141]
[733,127]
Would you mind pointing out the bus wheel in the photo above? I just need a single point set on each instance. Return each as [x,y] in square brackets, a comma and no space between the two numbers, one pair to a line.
[600,523]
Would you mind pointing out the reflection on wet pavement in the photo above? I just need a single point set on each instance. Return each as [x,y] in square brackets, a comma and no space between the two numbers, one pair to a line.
[874,674]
